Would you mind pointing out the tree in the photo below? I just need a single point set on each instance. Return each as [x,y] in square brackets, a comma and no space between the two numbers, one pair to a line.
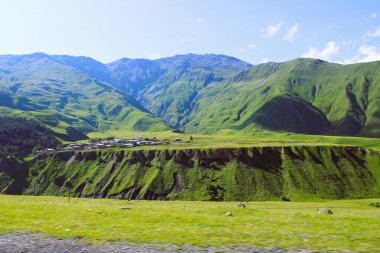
[20,137]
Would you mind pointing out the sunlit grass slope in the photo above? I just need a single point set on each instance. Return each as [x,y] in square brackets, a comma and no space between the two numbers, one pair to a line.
[303,95]
[67,99]
[228,138]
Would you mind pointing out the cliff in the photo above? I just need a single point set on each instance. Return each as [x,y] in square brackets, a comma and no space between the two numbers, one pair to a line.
[233,174]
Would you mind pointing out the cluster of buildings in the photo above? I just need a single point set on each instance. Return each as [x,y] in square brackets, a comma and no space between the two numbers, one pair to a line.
[109,143]
[112,143]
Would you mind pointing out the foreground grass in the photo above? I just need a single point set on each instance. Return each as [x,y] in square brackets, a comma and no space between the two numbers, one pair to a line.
[354,225]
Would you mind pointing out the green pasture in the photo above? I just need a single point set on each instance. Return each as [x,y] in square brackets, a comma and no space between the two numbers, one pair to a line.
[353,226]
[234,139]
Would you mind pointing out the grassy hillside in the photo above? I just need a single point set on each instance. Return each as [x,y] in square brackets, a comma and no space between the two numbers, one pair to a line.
[197,93]
[303,96]
[261,173]
[168,86]
[59,92]
[236,139]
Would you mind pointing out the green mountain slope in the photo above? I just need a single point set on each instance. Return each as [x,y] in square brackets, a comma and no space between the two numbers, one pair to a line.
[63,92]
[168,86]
[196,93]
[303,95]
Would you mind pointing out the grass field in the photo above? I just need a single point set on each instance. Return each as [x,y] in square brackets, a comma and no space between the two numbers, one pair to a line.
[354,225]
[228,139]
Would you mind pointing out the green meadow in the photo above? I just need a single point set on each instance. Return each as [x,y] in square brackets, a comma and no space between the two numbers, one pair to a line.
[353,226]
[234,139]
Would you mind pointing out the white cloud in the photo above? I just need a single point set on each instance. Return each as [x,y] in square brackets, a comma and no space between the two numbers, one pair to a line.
[200,20]
[366,54]
[291,33]
[330,49]
[374,15]
[371,53]
[264,60]
[350,61]
[375,33]
[271,30]
[245,49]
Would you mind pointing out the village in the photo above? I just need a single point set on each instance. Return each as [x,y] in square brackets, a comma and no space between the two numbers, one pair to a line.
[111,143]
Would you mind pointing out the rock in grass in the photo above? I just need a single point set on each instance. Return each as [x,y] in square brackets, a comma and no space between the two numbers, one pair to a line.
[228,214]
[376,204]
[240,205]
[325,211]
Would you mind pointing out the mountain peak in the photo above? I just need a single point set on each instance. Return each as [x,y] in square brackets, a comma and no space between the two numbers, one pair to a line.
[38,55]
[305,60]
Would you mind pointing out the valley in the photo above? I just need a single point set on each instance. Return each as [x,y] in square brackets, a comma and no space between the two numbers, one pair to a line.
[132,126]
[218,106]
[198,133]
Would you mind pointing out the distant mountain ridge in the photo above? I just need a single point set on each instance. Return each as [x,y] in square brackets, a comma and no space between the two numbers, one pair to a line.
[205,94]
[65,94]
[302,95]
[168,86]
[195,93]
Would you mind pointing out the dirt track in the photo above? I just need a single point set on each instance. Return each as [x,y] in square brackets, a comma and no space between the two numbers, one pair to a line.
[37,243]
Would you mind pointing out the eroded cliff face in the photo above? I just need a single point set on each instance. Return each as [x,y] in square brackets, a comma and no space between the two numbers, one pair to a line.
[218,174]
[13,176]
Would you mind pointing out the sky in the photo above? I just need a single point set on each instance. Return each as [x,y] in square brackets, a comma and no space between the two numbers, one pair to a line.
[342,31]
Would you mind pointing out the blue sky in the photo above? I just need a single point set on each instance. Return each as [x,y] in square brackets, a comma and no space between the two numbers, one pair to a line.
[344,31]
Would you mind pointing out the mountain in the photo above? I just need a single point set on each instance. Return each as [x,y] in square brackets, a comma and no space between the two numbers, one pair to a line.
[195,93]
[208,93]
[69,95]
[168,86]
[303,96]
